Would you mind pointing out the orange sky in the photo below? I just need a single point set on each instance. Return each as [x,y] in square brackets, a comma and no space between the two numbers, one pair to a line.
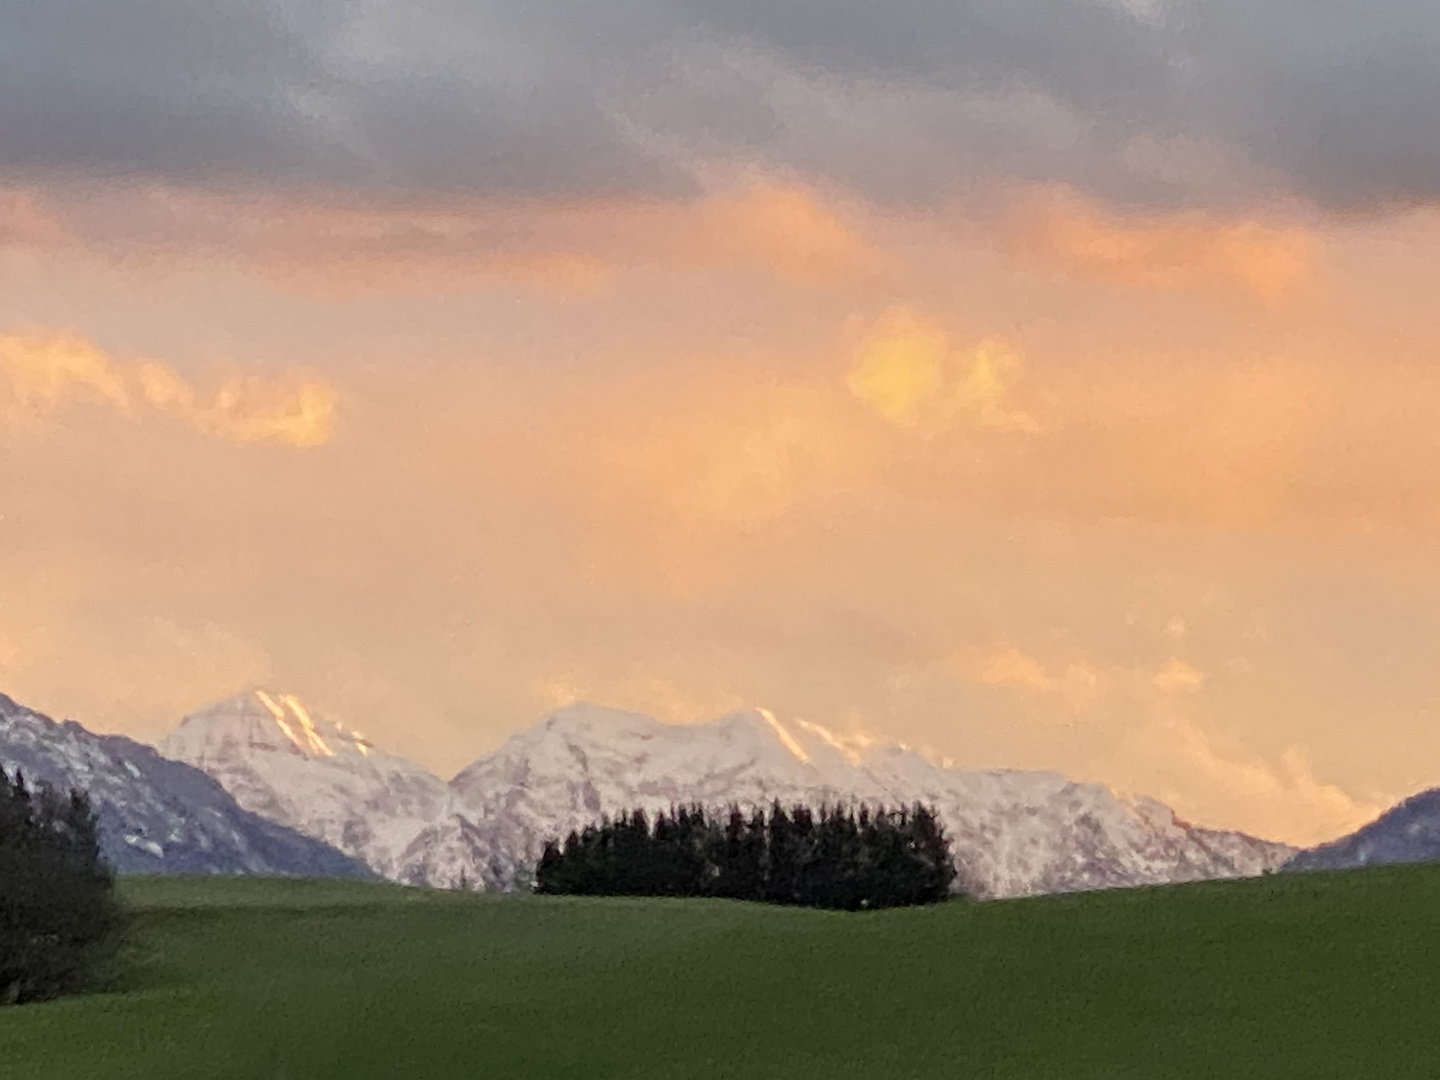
[864,391]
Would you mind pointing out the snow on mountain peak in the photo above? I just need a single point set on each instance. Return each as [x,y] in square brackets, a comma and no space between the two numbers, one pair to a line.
[270,719]
[588,720]
[851,748]
[158,815]
[288,703]
[786,739]
[277,758]
[1015,832]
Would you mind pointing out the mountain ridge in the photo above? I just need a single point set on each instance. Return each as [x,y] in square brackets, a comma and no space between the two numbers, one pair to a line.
[322,779]
[1015,832]
[1409,832]
[158,815]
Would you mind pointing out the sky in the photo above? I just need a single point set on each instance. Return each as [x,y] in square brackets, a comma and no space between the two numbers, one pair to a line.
[1040,383]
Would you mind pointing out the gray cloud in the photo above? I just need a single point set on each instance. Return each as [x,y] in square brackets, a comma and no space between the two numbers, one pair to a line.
[373,98]
[1341,99]
[1190,102]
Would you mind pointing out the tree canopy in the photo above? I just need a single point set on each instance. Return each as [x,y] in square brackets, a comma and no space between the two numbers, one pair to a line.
[837,857]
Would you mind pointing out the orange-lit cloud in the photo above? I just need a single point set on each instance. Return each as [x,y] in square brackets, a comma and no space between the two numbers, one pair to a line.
[1259,443]
[909,371]
[740,450]
[1163,251]
[54,621]
[788,229]
[682,538]
[45,372]
[336,244]
[1282,798]
[1178,677]
[899,368]
[1161,749]
[721,485]
[246,409]
[1078,682]
[1264,442]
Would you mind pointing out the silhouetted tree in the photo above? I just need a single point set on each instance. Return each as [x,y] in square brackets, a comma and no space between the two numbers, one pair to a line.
[932,852]
[550,869]
[58,915]
[835,858]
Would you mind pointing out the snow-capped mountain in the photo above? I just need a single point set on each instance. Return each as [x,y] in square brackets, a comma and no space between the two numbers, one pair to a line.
[158,816]
[1406,833]
[320,778]
[1014,833]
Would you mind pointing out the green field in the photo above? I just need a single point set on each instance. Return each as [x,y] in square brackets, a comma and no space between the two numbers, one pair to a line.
[1309,976]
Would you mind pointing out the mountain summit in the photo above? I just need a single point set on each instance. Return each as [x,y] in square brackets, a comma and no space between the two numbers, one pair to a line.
[278,760]
[158,816]
[1014,832]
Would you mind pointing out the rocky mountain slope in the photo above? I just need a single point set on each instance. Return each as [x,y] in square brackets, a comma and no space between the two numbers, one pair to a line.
[1014,833]
[156,815]
[1406,833]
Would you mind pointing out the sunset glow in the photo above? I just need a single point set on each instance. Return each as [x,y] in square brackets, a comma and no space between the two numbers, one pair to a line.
[1037,414]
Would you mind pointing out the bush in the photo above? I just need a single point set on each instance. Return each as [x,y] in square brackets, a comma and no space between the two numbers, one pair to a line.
[58,914]
[837,858]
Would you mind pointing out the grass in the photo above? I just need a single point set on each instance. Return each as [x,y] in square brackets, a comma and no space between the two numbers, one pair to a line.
[1308,976]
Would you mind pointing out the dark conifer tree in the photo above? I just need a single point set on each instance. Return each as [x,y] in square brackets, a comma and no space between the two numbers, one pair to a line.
[550,870]
[630,856]
[665,871]
[698,871]
[931,854]
[838,858]
[58,915]
[724,856]
[779,876]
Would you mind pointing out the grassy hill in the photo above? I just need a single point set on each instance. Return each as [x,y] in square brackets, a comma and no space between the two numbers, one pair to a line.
[1308,976]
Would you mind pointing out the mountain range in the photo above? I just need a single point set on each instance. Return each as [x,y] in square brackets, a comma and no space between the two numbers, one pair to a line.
[257,784]
[158,815]
[1014,832]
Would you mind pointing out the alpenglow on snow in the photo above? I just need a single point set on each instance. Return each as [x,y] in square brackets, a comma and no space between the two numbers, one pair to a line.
[1014,833]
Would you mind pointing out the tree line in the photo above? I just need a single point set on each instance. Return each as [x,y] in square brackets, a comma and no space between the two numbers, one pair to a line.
[839,857]
[58,913]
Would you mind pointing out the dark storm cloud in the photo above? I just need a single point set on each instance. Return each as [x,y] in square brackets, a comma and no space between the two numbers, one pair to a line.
[1192,101]
[375,98]
[1340,98]
[1196,102]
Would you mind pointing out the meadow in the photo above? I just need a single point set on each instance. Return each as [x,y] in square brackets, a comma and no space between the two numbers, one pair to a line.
[1330,975]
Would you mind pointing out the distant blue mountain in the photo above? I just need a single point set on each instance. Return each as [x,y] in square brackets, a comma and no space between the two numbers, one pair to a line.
[1407,833]
[158,816]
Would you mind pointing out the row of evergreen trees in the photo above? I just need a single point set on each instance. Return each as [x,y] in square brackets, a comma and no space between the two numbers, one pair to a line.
[840,857]
[58,913]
